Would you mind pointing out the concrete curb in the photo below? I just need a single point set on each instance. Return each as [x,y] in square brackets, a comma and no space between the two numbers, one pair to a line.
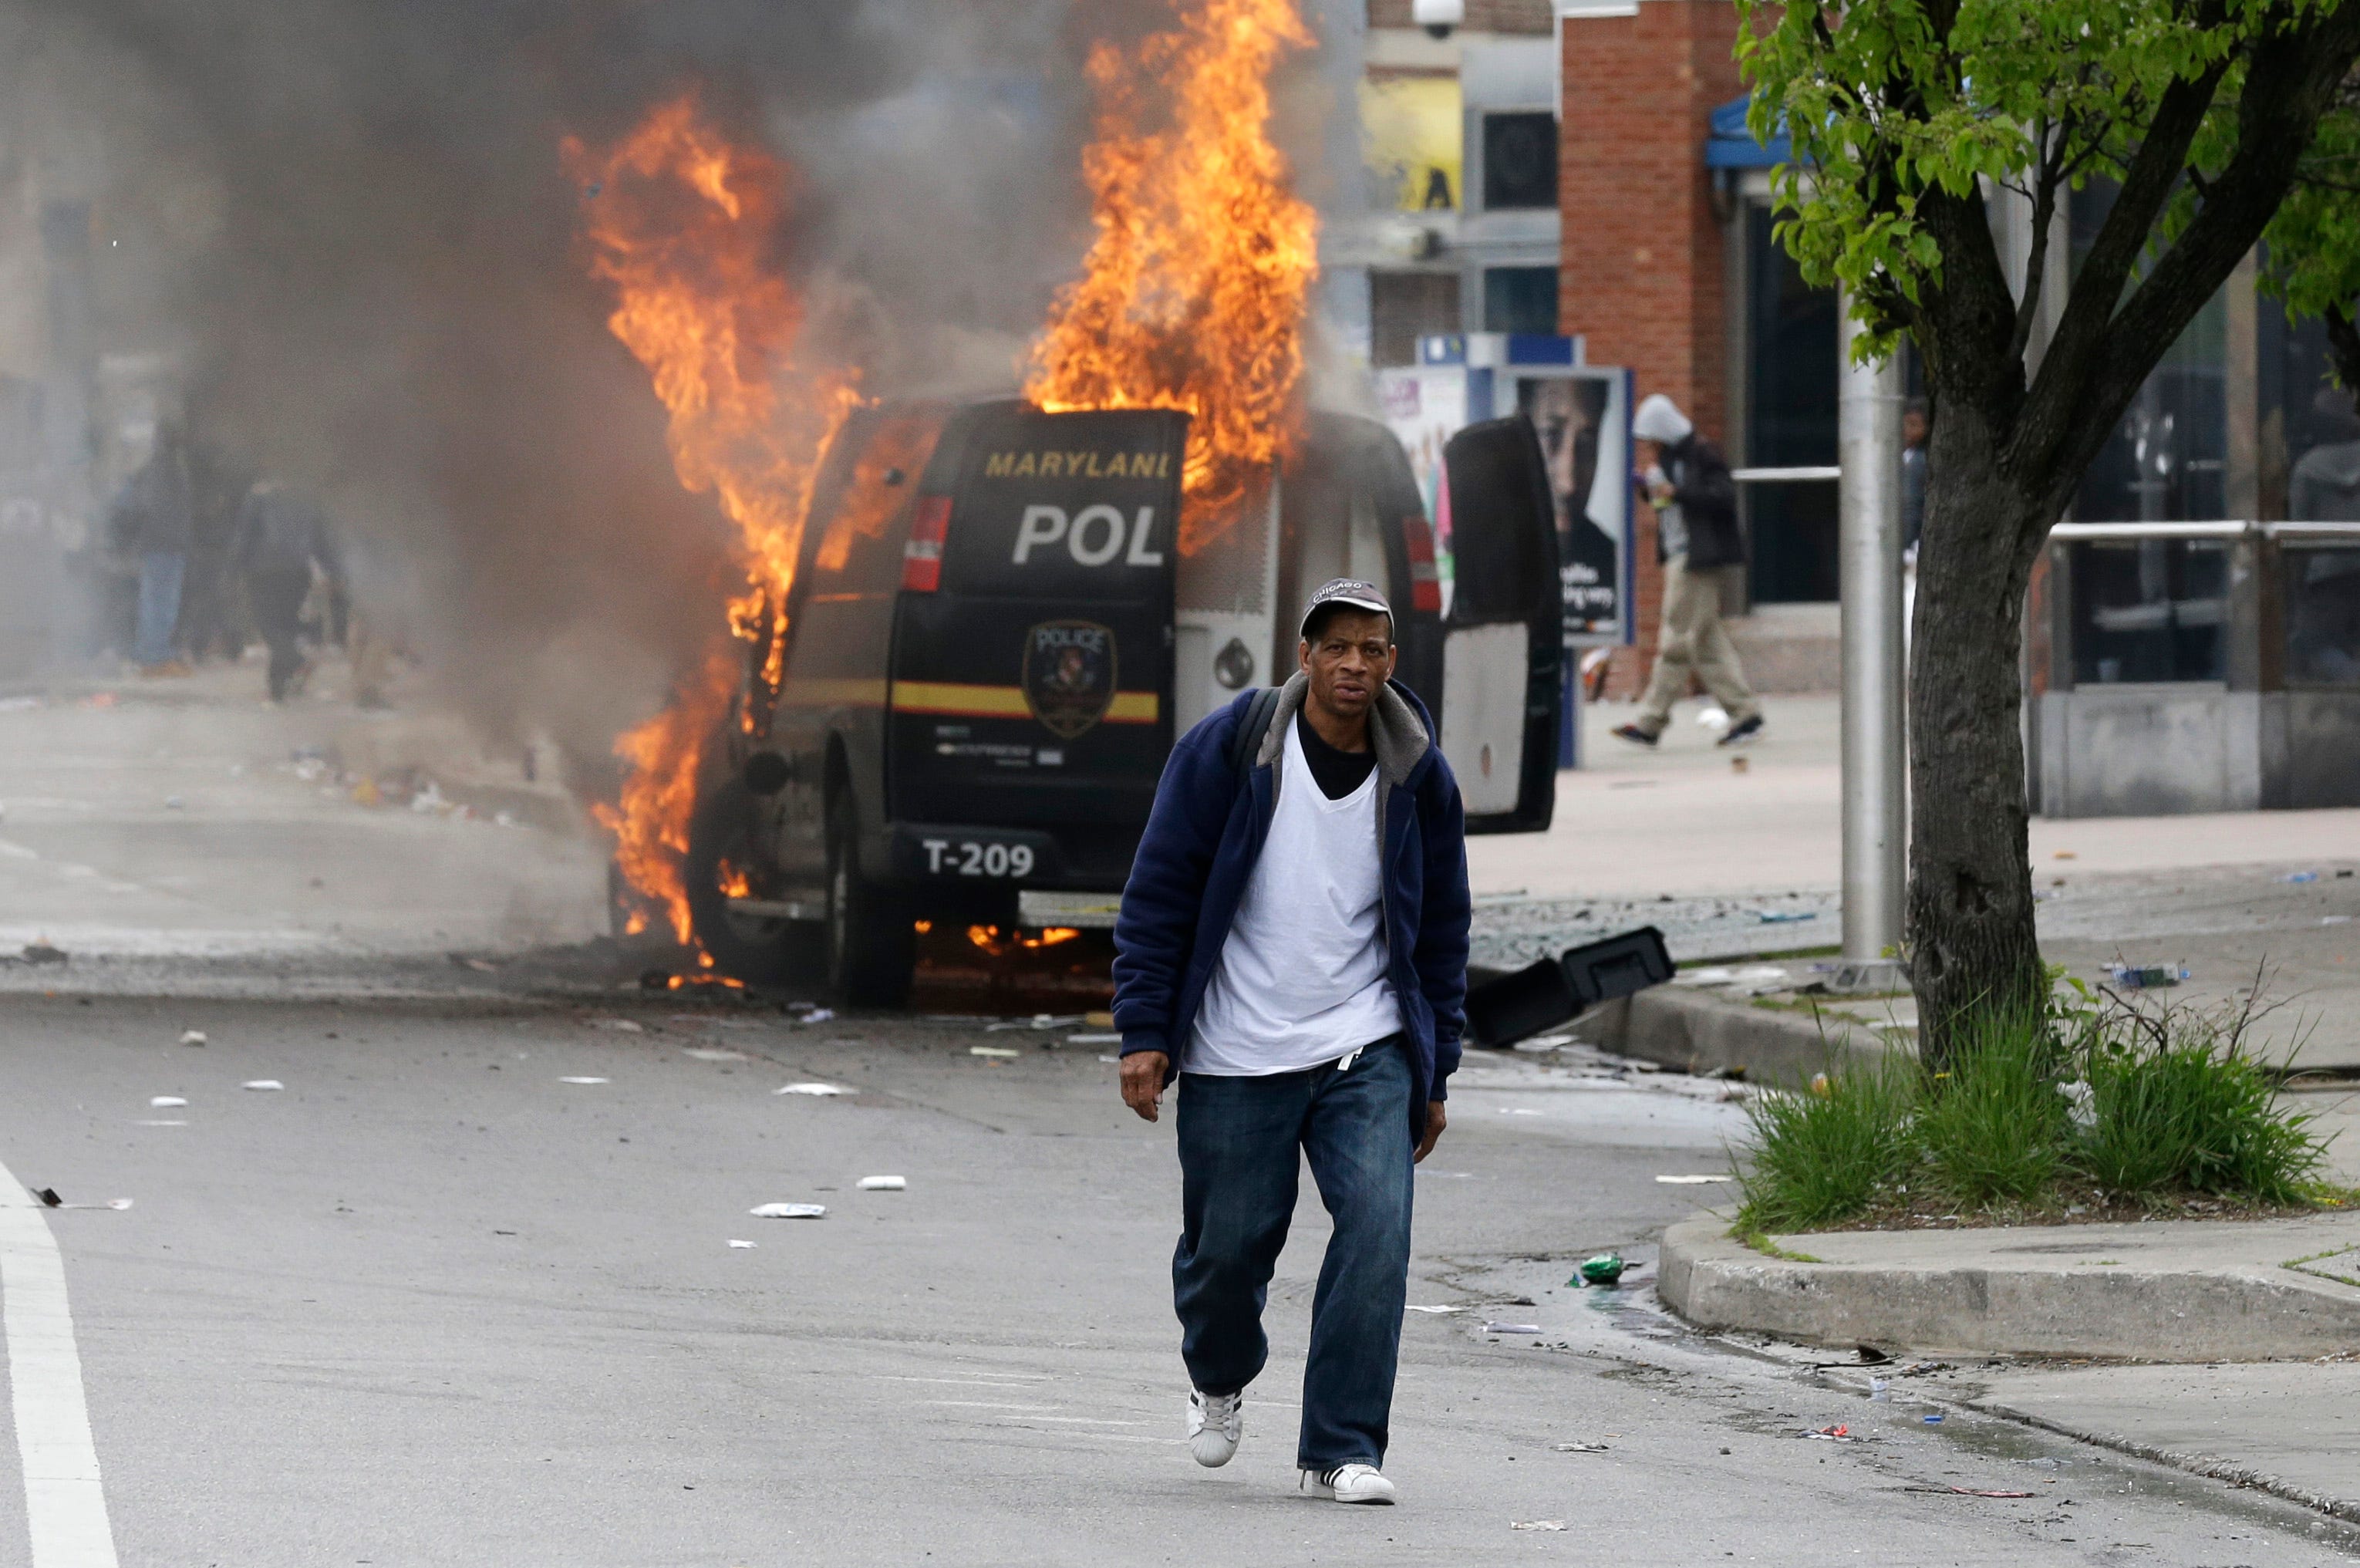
[2196,1313]
[1698,1032]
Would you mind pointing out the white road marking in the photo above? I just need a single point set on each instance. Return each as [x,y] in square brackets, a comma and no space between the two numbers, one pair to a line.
[65,1507]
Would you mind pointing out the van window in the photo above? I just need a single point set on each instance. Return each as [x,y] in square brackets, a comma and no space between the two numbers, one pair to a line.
[862,506]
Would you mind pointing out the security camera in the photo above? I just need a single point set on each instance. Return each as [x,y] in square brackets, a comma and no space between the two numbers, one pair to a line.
[1439,17]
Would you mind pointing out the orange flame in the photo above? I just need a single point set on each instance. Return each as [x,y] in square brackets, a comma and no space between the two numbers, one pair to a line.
[683,225]
[1194,293]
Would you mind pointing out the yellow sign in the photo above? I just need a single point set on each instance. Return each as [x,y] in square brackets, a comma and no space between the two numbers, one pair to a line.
[1412,135]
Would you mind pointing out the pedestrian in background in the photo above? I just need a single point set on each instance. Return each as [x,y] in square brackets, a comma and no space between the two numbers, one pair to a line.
[282,548]
[1696,534]
[154,521]
[1292,945]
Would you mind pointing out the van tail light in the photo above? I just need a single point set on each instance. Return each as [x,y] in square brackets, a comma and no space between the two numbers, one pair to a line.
[1424,583]
[922,558]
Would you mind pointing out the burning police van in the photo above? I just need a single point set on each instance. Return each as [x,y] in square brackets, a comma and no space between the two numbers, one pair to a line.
[999,623]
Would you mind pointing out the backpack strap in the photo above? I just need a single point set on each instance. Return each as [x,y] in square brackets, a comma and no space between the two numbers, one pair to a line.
[1251,730]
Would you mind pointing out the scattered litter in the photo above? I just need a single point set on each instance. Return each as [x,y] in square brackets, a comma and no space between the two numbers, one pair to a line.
[991,1051]
[1737,764]
[1511,1328]
[2146,976]
[1578,1448]
[1831,1434]
[627,1026]
[814,1089]
[2084,1100]
[165,1102]
[1880,1389]
[561,1081]
[1039,1020]
[1935,1420]
[788,1211]
[481,966]
[745,1245]
[2068,855]
[1965,1492]
[1604,1268]
[820,1016]
[1518,1111]
[42,953]
[193,1037]
[1094,1040]
[1418,1308]
[156,1124]
[1819,1085]
[884,1184]
[1714,717]
[18,704]
[1869,1356]
[1785,917]
[1691,1181]
[174,802]
[49,1196]
[712,1053]
[2299,876]
[262,1085]
[2335,919]
[1537,1524]
[1110,1058]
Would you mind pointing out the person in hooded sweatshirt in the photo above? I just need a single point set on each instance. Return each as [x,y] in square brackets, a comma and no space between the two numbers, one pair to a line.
[1688,485]
[1292,948]
[2325,483]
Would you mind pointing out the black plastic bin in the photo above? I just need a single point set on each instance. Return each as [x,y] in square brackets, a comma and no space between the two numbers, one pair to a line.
[1550,991]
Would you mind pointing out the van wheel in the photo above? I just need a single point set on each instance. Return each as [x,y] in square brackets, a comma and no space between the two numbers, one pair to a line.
[759,950]
[872,945]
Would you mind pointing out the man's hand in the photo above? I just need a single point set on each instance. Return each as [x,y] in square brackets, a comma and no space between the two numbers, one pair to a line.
[1435,1122]
[1142,1081]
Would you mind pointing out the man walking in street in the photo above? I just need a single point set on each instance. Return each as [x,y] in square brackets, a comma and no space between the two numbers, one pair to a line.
[1291,946]
[281,545]
[1696,535]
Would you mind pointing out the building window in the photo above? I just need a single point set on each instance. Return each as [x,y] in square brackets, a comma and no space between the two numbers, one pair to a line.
[1520,160]
[1407,306]
[1520,299]
[1790,378]
[2166,461]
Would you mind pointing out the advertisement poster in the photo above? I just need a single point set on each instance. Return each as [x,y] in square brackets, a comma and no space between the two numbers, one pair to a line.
[1589,464]
[1424,407]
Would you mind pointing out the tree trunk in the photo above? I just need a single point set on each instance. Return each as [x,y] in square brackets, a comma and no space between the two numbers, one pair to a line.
[1971,945]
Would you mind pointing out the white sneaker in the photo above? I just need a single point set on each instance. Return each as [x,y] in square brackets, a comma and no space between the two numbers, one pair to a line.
[1351,1484]
[1215,1422]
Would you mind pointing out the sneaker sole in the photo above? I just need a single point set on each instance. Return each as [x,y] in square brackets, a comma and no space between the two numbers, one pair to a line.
[1211,1463]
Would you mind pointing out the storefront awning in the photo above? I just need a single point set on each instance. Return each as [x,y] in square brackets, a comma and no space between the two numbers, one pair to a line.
[1731,145]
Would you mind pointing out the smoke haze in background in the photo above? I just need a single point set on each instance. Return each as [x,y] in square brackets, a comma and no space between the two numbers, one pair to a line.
[346,222]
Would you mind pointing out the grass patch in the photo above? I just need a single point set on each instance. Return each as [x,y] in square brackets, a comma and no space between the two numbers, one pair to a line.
[1821,1156]
[2097,1109]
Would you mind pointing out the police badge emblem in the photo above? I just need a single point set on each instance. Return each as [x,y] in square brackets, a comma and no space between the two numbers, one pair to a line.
[1069,672]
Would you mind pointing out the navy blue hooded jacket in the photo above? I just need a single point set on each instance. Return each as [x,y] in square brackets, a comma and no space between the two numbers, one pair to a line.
[1205,835]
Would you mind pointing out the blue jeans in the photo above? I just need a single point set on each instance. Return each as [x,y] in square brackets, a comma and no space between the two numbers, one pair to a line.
[1238,1139]
[161,572]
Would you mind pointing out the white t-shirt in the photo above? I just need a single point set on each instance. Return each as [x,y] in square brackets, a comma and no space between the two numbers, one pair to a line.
[1302,977]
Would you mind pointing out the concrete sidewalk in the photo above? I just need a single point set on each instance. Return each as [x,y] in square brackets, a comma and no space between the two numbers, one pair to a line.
[2230,1349]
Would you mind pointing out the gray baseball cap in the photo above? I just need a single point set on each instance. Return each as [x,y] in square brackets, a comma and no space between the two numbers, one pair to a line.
[1344,590]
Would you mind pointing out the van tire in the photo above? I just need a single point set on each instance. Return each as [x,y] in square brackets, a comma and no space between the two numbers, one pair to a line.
[872,945]
[776,954]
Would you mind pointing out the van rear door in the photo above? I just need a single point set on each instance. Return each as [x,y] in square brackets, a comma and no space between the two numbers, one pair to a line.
[1502,642]
[1031,686]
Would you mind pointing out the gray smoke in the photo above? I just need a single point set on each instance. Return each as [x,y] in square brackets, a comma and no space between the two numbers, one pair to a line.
[347,223]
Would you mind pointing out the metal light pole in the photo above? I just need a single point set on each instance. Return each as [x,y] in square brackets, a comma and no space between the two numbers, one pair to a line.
[1875,814]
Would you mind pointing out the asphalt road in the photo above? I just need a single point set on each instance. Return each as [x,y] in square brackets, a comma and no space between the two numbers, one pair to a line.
[430,1303]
